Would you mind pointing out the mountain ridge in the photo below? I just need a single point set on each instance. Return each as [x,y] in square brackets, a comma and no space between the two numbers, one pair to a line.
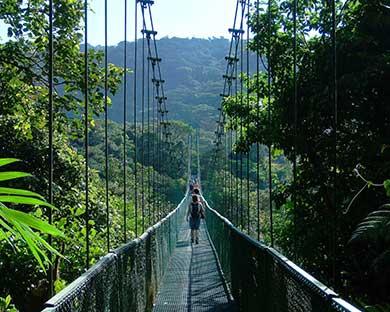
[192,70]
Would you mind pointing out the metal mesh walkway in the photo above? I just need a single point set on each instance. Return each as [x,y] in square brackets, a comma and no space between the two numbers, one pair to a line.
[192,281]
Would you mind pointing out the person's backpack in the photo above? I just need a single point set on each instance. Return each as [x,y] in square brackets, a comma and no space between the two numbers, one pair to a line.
[195,210]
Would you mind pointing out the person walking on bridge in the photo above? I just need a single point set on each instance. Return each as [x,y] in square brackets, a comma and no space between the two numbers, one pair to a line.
[194,212]
[200,198]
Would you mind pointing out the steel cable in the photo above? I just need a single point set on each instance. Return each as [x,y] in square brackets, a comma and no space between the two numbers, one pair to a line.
[135,118]
[142,135]
[86,133]
[335,137]
[270,123]
[258,126]
[151,220]
[106,122]
[294,192]
[247,125]
[125,128]
[51,131]
[241,121]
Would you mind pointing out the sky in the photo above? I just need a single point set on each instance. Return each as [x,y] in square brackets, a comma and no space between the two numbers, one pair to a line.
[172,18]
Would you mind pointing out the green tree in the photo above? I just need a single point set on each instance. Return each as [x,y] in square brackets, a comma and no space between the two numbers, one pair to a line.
[363,123]
[24,135]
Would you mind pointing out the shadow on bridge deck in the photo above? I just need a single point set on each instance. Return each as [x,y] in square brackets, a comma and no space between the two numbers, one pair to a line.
[192,281]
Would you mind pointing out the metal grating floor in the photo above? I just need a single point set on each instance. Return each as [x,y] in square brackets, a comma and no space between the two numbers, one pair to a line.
[192,281]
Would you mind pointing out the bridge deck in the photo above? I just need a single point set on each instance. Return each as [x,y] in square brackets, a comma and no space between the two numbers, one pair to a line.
[192,281]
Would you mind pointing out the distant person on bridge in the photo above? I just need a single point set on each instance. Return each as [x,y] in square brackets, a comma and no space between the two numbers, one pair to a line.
[194,213]
[196,184]
[197,193]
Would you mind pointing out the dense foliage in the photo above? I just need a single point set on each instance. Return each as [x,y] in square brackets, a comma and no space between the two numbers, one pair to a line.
[341,219]
[317,232]
[24,135]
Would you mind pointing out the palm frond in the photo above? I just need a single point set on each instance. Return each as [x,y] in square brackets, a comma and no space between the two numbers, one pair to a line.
[375,226]
[23,226]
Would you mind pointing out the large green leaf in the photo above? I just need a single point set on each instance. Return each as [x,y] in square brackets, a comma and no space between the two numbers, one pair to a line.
[11,175]
[24,200]
[23,226]
[47,245]
[14,216]
[13,191]
[7,227]
[7,161]
[373,227]
[28,238]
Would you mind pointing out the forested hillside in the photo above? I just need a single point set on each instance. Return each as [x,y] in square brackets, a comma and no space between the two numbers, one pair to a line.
[193,70]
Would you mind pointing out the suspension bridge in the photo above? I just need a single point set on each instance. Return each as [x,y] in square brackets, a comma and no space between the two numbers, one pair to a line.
[161,270]
[228,271]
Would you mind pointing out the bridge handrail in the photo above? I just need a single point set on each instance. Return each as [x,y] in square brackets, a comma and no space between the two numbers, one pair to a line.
[101,288]
[334,301]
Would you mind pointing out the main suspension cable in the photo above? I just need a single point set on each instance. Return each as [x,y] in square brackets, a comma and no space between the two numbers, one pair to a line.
[162,124]
[229,77]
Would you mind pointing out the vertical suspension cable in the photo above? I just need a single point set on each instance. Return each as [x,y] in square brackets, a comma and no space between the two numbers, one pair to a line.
[86,132]
[236,153]
[190,155]
[135,119]
[142,134]
[51,128]
[154,113]
[227,175]
[106,120]
[335,126]
[230,147]
[224,189]
[247,126]
[270,124]
[159,147]
[258,126]
[198,156]
[149,146]
[157,156]
[161,212]
[295,132]
[225,170]
[241,125]
[125,130]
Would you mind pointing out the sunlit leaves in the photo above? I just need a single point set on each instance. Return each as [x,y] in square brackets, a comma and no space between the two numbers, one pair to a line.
[21,225]
[6,305]
[386,184]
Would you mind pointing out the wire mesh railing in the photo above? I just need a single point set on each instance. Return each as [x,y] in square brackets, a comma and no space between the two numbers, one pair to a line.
[126,279]
[260,278]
